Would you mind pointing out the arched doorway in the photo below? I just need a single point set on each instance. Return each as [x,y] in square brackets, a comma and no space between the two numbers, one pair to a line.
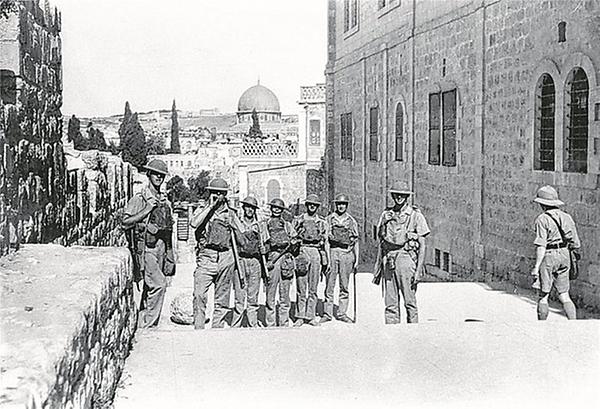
[273,190]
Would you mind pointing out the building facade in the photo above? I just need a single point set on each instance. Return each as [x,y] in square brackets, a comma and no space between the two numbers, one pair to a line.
[476,103]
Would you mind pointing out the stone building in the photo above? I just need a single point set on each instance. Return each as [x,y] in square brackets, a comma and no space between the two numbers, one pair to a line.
[476,103]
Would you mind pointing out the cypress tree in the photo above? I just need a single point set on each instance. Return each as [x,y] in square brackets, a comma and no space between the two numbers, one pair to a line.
[254,131]
[123,126]
[175,147]
[134,149]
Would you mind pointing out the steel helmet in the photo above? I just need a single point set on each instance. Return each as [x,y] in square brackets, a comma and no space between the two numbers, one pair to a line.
[157,166]
[250,201]
[341,198]
[217,185]
[312,199]
[401,188]
[277,203]
[548,196]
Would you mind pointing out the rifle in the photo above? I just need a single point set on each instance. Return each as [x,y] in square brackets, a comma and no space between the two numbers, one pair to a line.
[236,253]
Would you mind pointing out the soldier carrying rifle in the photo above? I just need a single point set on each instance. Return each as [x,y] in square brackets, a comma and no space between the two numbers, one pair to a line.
[280,240]
[252,262]
[149,223]
[401,230]
[312,260]
[215,258]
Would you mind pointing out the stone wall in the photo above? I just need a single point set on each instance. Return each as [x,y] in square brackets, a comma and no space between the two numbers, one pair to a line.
[67,318]
[492,52]
[43,199]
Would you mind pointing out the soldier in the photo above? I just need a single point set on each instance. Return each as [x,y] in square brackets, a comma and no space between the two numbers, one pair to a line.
[312,229]
[280,241]
[401,230]
[148,217]
[343,242]
[553,260]
[214,256]
[252,252]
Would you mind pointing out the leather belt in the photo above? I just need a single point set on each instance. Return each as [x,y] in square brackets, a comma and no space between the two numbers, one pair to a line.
[556,246]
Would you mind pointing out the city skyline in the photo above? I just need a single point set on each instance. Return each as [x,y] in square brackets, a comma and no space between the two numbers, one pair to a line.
[207,63]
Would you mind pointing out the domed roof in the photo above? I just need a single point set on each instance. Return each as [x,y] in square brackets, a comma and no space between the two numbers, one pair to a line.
[260,98]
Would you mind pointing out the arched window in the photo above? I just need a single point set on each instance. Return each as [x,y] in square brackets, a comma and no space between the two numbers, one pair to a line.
[543,143]
[273,190]
[399,132]
[576,122]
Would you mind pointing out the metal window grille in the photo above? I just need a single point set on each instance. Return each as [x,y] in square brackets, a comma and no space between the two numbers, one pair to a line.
[346,136]
[354,14]
[544,137]
[314,126]
[346,15]
[442,128]
[576,138]
[399,132]
[562,32]
[373,137]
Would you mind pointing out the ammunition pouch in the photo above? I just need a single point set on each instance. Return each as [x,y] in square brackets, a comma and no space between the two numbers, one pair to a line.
[340,236]
[218,236]
[287,266]
[250,246]
[302,263]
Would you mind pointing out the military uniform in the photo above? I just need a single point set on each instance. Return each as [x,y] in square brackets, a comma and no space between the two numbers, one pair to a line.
[399,250]
[154,252]
[251,250]
[309,263]
[343,235]
[278,237]
[554,270]
[215,265]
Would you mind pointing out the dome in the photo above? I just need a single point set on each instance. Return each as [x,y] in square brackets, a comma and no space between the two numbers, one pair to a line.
[260,98]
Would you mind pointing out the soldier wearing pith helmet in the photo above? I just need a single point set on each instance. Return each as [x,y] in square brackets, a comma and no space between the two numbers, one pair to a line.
[343,242]
[214,256]
[555,236]
[149,223]
[401,230]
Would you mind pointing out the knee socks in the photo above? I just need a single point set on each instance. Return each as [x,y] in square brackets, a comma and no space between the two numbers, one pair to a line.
[542,310]
[570,310]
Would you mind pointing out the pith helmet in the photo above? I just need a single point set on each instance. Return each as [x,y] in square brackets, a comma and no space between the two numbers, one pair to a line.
[401,188]
[277,203]
[217,185]
[548,196]
[312,199]
[341,198]
[250,201]
[157,166]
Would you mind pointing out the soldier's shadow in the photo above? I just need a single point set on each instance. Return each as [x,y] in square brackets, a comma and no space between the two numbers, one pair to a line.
[262,313]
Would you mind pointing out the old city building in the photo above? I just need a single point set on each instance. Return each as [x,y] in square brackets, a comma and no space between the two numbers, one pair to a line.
[477,103]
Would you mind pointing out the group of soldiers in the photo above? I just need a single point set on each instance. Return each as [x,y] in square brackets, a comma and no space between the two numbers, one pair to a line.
[237,249]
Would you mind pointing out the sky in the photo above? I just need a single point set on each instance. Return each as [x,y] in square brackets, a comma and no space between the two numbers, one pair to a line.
[203,53]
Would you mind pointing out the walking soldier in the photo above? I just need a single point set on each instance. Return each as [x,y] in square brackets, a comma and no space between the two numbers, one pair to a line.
[214,255]
[401,230]
[280,271]
[312,258]
[555,236]
[343,243]
[252,252]
[149,221]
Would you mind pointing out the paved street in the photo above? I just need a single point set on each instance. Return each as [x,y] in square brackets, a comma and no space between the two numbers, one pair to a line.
[474,347]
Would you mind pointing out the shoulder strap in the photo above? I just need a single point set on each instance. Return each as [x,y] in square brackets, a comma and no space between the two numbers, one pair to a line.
[560,230]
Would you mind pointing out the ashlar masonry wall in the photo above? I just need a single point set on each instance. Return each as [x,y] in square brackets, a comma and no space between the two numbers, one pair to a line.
[493,53]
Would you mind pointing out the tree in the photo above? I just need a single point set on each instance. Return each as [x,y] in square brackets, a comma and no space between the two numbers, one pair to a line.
[95,139]
[155,144]
[198,184]
[134,143]
[177,191]
[123,126]
[254,131]
[175,147]
[7,7]
[74,130]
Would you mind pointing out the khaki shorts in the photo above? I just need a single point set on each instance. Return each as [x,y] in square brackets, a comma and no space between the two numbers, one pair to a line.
[554,271]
